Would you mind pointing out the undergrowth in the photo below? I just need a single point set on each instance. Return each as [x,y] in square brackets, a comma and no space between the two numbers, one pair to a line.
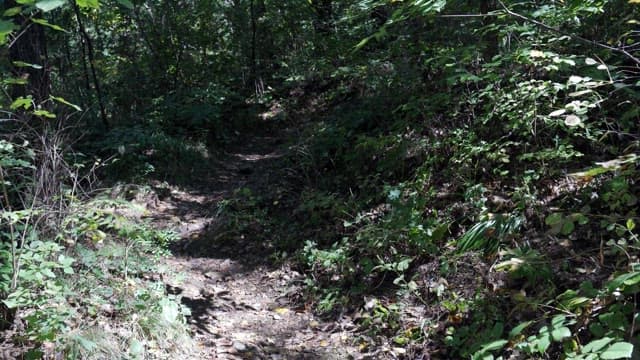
[505,211]
[96,290]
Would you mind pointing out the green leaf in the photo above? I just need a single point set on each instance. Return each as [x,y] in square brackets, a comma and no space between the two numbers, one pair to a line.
[136,347]
[394,194]
[44,113]
[577,302]
[475,239]
[596,345]
[620,350]
[403,265]
[362,43]
[628,279]
[632,281]
[126,3]
[12,11]
[553,219]
[493,346]
[169,310]
[48,5]
[580,218]
[25,64]
[21,102]
[560,333]
[560,320]
[519,329]
[65,260]
[11,303]
[401,340]
[17,298]
[430,6]
[15,81]
[44,22]
[543,343]
[94,4]
[439,232]
[631,224]
[567,228]
[63,101]
[590,61]
[48,273]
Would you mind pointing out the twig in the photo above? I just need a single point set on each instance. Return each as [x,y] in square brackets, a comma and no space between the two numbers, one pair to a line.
[467,15]
[15,39]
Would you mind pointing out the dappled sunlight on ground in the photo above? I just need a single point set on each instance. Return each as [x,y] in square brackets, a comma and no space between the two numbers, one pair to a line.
[243,305]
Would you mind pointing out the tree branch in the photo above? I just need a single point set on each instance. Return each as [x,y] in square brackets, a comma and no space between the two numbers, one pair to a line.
[22,32]
[466,15]
[573,36]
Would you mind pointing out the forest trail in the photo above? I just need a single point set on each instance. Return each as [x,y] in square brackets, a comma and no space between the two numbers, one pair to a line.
[243,305]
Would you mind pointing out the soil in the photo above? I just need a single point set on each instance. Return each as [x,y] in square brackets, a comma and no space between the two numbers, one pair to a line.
[244,304]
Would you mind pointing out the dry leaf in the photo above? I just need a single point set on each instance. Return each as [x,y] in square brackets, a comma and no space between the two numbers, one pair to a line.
[281,311]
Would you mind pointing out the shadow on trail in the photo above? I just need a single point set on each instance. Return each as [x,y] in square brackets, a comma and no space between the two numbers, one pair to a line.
[233,224]
[229,217]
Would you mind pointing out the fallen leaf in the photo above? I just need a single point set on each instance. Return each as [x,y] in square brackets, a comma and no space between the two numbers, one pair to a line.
[281,311]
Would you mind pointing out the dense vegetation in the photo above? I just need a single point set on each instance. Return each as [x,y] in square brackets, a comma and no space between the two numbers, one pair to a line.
[463,175]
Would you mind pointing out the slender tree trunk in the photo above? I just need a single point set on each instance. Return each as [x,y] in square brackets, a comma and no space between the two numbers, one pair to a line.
[69,65]
[257,8]
[254,33]
[30,47]
[324,14]
[490,38]
[85,67]
[86,41]
[153,40]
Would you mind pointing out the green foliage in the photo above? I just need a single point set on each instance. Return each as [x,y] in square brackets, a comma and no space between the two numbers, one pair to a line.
[527,264]
[138,153]
[40,289]
[504,106]
[486,235]
[101,275]
[16,164]
[381,318]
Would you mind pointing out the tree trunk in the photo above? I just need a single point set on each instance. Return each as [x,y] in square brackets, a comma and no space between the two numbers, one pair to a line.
[86,43]
[30,46]
[490,38]
[323,23]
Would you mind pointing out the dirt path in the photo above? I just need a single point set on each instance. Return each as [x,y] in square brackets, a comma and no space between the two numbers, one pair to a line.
[243,306]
